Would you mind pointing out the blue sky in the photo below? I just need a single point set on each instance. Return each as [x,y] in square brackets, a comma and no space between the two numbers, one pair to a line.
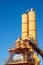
[10,23]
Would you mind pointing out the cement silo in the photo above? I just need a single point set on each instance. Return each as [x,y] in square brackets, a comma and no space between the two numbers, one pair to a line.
[32,24]
[24,26]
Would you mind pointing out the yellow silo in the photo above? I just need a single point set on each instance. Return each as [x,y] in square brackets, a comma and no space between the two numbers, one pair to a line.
[32,24]
[24,26]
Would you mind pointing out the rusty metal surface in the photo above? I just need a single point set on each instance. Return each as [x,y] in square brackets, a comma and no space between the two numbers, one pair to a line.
[21,63]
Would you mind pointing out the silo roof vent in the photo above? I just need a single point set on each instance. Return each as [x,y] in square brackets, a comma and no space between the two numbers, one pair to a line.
[32,9]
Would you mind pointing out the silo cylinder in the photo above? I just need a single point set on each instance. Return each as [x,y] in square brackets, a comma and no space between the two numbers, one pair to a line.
[32,24]
[24,26]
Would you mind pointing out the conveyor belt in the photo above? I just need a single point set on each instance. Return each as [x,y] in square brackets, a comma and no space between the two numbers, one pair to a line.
[36,48]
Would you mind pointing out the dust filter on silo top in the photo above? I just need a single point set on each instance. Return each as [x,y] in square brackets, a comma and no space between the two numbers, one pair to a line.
[24,26]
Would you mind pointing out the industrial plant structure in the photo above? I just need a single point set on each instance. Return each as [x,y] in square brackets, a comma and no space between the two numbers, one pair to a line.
[26,49]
